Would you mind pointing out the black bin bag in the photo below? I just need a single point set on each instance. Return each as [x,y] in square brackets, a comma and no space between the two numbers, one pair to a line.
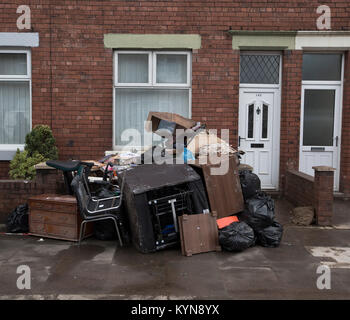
[250,184]
[17,221]
[271,236]
[237,236]
[105,230]
[260,212]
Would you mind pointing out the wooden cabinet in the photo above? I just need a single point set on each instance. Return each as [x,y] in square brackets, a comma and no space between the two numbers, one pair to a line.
[56,216]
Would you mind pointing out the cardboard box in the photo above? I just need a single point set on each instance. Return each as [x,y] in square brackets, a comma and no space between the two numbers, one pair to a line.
[156,117]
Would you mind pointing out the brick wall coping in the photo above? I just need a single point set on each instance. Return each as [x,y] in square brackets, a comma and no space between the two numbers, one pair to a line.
[16,181]
[323,168]
[43,166]
[301,175]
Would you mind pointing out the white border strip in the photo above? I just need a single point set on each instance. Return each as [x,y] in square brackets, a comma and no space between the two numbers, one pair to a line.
[322,40]
[19,39]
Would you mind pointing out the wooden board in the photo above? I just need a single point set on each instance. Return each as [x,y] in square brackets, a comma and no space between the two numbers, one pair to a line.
[224,191]
[56,216]
[198,233]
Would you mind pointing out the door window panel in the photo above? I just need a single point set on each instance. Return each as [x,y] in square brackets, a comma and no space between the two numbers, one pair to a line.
[250,121]
[265,119]
[318,117]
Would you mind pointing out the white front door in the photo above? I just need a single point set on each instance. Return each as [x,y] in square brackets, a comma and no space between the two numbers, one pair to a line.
[259,115]
[320,128]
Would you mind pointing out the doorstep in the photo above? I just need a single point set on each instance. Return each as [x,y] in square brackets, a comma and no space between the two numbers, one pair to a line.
[275,194]
[341,195]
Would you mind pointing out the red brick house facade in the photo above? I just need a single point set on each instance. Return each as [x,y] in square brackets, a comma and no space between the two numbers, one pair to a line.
[72,67]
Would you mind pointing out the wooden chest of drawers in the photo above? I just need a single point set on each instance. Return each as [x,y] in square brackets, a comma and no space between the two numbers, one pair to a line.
[56,216]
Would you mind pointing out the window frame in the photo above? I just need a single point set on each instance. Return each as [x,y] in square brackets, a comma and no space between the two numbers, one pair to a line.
[125,84]
[152,83]
[322,85]
[152,69]
[338,85]
[18,78]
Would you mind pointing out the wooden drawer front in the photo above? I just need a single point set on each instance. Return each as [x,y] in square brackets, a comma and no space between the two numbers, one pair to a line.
[49,206]
[64,232]
[53,218]
[198,233]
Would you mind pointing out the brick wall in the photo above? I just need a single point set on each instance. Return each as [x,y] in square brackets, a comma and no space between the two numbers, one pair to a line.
[299,188]
[15,192]
[72,74]
[304,190]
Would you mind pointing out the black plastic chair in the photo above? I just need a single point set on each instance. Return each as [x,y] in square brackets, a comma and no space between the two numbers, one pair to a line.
[68,168]
[93,208]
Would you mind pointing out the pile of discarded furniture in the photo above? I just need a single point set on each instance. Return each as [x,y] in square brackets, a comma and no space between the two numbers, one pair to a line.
[158,206]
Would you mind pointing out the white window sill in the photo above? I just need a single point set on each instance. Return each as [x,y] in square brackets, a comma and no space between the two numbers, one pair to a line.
[7,151]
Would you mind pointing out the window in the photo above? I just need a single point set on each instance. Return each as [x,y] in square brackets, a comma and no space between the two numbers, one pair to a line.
[15,98]
[147,81]
[260,68]
[322,67]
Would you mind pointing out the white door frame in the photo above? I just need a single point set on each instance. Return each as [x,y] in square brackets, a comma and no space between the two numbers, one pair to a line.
[276,89]
[339,85]
[337,124]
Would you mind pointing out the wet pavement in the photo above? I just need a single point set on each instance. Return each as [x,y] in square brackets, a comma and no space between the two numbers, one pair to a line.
[102,270]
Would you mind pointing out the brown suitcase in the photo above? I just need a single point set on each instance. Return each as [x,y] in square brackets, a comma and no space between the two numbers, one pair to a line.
[56,216]
[198,233]
[224,191]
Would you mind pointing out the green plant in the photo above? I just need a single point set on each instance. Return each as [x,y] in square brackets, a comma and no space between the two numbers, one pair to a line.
[22,165]
[41,140]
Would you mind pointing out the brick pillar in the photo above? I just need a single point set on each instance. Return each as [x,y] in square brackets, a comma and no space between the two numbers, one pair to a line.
[290,112]
[323,195]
